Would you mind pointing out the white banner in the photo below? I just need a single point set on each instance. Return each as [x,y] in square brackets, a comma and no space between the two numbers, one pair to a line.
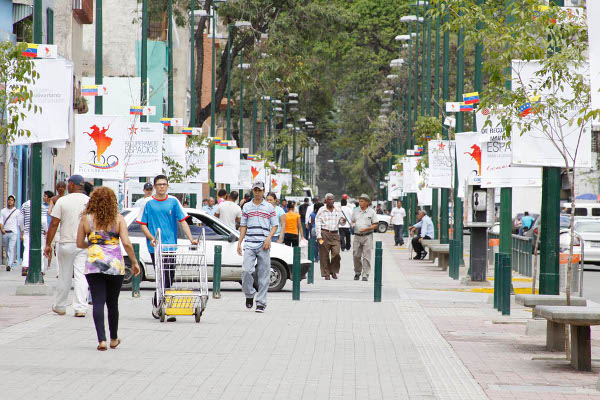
[227,165]
[258,171]
[468,157]
[453,107]
[197,155]
[100,146]
[174,150]
[244,177]
[496,156]
[411,175]
[143,150]
[593,16]
[286,182]
[441,163]
[276,184]
[53,93]
[537,146]
[395,185]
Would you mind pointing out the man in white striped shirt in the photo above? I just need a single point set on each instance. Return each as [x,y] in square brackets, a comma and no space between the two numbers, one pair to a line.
[25,226]
[327,224]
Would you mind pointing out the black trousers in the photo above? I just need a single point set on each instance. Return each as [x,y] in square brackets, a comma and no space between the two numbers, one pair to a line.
[289,239]
[105,290]
[418,246]
[345,239]
[168,275]
[398,234]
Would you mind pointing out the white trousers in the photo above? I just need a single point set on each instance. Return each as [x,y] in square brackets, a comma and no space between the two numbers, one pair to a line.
[9,241]
[71,264]
[26,248]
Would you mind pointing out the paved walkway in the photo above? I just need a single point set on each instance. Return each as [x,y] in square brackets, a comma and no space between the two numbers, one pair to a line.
[424,341]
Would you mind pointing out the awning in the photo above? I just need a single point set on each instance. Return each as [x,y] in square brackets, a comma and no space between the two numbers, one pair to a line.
[21,11]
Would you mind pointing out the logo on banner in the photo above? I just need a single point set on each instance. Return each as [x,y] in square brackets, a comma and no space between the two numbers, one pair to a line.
[255,172]
[273,183]
[476,155]
[102,142]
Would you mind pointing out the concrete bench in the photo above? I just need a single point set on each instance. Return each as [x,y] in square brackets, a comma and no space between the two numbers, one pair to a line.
[535,300]
[442,253]
[427,243]
[580,319]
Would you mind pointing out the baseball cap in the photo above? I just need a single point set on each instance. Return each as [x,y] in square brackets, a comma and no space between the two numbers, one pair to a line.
[77,180]
[344,196]
[148,186]
[258,184]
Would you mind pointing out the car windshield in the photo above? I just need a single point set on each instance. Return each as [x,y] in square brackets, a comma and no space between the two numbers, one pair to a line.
[589,227]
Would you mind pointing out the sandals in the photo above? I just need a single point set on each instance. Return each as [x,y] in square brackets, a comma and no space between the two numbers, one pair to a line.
[115,346]
[101,347]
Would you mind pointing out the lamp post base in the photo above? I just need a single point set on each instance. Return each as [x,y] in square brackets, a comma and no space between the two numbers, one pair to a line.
[35,289]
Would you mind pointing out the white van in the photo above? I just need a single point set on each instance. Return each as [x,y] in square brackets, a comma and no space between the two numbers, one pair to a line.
[583,208]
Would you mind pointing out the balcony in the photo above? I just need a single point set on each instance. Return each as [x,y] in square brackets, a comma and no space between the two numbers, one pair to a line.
[83,11]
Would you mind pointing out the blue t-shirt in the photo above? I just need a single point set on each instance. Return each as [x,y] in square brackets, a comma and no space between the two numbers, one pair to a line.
[163,214]
[527,221]
[279,212]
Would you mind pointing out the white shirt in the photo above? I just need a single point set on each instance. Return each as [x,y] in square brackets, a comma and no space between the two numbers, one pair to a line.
[140,203]
[228,212]
[12,223]
[309,210]
[398,215]
[426,225]
[347,213]
[68,209]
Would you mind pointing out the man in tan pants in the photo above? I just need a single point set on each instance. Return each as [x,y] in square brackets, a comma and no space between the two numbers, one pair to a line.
[364,220]
[327,224]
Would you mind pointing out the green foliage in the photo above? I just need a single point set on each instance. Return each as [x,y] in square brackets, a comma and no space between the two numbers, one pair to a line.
[16,73]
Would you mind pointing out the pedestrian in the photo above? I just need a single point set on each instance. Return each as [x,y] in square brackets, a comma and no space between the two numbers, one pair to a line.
[280,214]
[427,232]
[204,202]
[66,213]
[229,212]
[309,210]
[345,228]
[163,211]
[283,204]
[259,221]
[25,226]
[10,230]
[148,190]
[398,214]
[365,222]
[527,221]
[293,226]
[105,230]
[302,208]
[88,188]
[327,223]
[210,208]
[221,196]
[61,190]
[312,227]
[48,194]
[247,198]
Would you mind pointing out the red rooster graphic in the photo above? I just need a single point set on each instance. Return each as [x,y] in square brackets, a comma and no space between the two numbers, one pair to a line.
[476,155]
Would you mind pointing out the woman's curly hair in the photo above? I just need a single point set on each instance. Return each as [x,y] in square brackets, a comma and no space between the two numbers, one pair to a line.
[103,207]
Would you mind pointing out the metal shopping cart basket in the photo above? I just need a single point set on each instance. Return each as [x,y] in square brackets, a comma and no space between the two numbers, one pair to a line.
[181,278]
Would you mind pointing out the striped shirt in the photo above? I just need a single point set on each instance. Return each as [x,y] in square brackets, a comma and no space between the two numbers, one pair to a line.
[26,216]
[258,219]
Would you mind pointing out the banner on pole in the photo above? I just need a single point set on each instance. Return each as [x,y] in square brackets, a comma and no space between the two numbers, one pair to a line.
[197,156]
[174,154]
[227,166]
[395,185]
[441,163]
[244,177]
[468,159]
[411,175]
[143,149]
[593,16]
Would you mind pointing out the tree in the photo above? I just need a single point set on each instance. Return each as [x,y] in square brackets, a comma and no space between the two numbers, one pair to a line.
[16,74]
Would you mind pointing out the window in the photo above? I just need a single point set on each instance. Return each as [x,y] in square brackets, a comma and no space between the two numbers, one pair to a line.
[135,230]
[212,229]
[581,212]
[595,212]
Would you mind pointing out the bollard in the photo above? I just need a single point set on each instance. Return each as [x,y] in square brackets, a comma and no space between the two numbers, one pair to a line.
[496,281]
[457,255]
[450,257]
[506,284]
[216,292]
[378,264]
[135,280]
[296,275]
[500,281]
[311,256]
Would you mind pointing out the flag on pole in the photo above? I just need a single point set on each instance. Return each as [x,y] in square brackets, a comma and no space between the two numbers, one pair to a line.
[466,107]
[187,131]
[220,164]
[471,98]
[31,51]
[90,90]
[136,110]
[165,121]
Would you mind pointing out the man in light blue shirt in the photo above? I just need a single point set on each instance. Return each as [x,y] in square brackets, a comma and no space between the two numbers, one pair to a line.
[426,226]
[210,208]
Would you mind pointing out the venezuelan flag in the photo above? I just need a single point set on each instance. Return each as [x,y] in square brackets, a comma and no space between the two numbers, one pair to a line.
[220,164]
[136,110]
[31,51]
[250,157]
[165,121]
[217,141]
[466,107]
[525,109]
[187,131]
[471,98]
[89,90]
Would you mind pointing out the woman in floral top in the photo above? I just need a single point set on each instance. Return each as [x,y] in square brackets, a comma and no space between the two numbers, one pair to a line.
[105,229]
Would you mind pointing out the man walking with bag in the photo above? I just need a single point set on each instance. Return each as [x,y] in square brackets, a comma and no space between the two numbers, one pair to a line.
[10,230]
[365,222]
[327,224]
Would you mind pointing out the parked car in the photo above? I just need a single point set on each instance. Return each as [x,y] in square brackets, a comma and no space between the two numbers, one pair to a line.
[589,230]
[517,224]
[384,223]
[584,209]
[216,233]
[565,223]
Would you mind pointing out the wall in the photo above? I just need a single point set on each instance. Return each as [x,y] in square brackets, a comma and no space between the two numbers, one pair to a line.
[157,76]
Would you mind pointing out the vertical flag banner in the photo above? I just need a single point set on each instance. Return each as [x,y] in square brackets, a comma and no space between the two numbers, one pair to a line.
[244,177]
[100,146]
[53,93]
[227,165]
[424,192]
[276,184]
[441,163]
[174,150]
[395,185]
[468,159]
[537,147]
[411,175]
[257,171]
[496,156]
[197,156]
[144,149]
[593,16]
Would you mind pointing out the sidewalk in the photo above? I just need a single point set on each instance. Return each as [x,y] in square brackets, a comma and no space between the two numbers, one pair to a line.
[424,341]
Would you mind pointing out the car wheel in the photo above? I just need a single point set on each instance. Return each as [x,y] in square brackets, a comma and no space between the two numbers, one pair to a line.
[382,227]
[278,276]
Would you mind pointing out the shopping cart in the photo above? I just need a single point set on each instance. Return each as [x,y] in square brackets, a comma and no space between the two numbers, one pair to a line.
[181,278]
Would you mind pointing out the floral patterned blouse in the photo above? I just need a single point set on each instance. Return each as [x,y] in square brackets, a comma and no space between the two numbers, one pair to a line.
[104,252]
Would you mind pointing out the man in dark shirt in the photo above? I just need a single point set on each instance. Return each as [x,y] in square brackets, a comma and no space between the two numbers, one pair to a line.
[302,210]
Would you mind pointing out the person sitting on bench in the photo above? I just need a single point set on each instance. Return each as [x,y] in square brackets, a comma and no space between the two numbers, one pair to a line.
[426,225]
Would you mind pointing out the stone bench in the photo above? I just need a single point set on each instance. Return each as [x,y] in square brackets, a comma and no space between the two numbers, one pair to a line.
[427,243]
[442,253]
[580,319]
[535,300]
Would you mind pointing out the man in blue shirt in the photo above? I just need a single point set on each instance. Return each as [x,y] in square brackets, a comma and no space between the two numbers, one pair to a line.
[259,222]
[210,207]
[527,221]
[163,211]
[426,226]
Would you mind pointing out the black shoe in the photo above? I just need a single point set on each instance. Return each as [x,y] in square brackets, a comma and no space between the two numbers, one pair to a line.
[249,302]
[417,257]
[423,255]
[260,309]
[365,279]
[171,319]
[357,276]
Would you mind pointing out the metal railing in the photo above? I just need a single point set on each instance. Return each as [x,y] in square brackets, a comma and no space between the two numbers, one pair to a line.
[522,251]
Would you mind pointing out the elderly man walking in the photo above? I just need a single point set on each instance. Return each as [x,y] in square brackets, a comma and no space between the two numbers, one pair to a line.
[365,222]
[426,225]
[327,225]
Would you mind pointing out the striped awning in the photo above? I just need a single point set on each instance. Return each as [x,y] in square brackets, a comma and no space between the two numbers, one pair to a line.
[21,11]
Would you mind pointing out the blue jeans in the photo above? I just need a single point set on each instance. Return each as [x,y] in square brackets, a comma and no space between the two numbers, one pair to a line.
[399,234]
[259,260]
[313,234]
